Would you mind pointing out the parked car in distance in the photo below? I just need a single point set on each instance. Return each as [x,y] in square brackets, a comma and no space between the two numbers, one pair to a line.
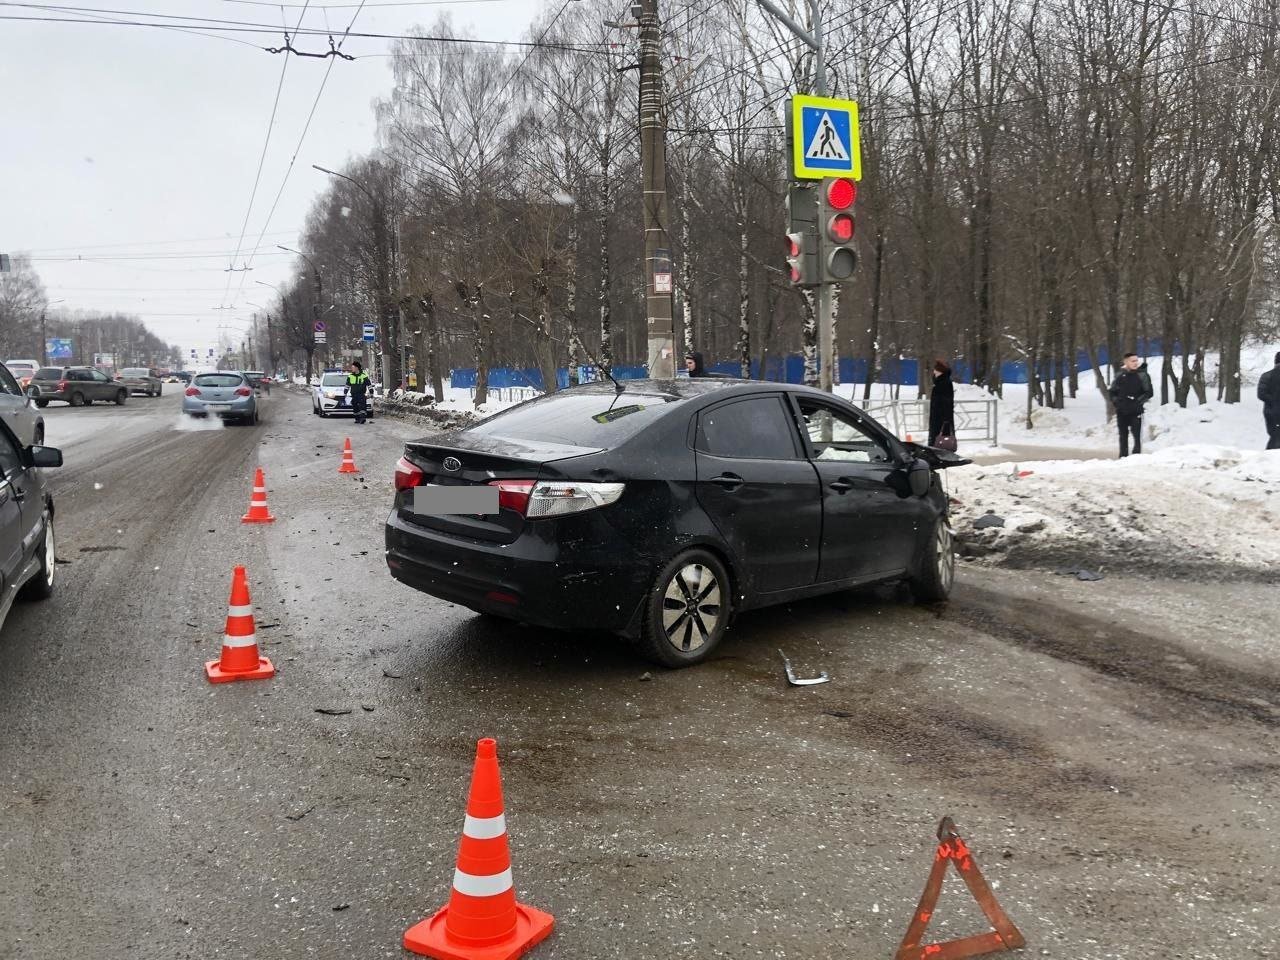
[27,566]
[327,398]
[224,393]
[659,509]
[142,380]
[22,370]
[77,386]
[18,410]
[184,376]
[259,379]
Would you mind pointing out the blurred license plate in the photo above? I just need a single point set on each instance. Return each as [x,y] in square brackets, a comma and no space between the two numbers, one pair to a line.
[479,500]
[217,406]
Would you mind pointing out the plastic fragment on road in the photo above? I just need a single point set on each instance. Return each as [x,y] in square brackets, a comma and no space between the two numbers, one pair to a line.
[797,681]
[953,850]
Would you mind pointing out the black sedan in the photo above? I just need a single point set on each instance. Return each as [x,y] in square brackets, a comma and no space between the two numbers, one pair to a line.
[658,509]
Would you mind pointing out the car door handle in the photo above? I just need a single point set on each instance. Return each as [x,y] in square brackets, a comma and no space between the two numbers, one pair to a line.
[841,485]
[730,481]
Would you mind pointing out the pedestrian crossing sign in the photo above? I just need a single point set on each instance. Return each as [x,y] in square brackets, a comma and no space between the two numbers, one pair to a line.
[824,138]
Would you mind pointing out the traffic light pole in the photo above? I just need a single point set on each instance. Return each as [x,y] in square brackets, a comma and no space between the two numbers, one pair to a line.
[822,293]
[653,155]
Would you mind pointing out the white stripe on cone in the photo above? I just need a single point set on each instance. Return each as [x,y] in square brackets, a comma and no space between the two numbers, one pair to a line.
[239,611]
[473,886]
[229,641]
[484,828]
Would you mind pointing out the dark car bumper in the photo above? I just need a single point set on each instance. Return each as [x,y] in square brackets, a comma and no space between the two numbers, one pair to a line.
[535,579]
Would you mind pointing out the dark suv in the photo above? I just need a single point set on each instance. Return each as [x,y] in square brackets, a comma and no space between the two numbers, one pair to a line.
[78,386]
[26,521]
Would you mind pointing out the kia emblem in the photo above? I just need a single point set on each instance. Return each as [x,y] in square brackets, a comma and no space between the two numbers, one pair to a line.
[452,464]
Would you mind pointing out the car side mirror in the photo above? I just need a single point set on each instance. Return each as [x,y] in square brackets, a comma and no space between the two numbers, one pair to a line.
[919,477]
[44,456]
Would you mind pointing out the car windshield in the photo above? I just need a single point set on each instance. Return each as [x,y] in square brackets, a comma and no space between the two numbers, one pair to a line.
[49,373]
[133,372]
[218,380]
[20,367]
[582,419]
[334,380]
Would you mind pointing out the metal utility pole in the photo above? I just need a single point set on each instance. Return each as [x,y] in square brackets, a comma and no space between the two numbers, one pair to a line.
[822,294]
[653,156]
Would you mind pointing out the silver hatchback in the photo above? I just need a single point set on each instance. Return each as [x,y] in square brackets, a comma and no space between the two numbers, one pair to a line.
[225,394]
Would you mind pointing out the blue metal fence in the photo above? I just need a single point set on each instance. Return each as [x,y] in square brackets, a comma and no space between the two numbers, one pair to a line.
[789,369]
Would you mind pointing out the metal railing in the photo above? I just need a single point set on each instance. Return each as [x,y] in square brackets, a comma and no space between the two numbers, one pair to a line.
[510,394]
[976,421]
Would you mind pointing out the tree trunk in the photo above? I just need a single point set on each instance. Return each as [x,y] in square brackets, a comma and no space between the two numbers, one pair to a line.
[744,300]
[571,305]
[433,346]
[873,330]
[606,316]
[809,334]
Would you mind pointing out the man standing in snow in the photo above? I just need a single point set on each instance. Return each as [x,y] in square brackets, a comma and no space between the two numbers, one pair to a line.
[1269,394]
[1130,390]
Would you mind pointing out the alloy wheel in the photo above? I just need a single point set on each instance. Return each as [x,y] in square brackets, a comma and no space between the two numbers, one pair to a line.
[691,607]
[50,556]
[946,557]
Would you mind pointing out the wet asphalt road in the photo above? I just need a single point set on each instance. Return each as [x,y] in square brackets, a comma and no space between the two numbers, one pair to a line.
[1109,749]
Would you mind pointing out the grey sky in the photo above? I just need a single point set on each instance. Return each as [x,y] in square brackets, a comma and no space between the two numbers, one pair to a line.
[115,135]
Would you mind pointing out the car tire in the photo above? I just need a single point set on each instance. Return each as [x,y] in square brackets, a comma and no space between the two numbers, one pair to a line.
[40,587]
[670,635]
[121,397]
[38,438]
[42,404]
[76,399]
[160,390]
[937,570]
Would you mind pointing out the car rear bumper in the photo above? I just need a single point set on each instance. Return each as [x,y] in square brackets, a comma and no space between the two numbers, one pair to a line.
[534,579]
[195,406]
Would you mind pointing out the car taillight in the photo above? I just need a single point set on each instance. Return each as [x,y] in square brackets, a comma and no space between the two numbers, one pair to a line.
[243,391]
[408,475]
[513,494]
[558,497]
[62,386]
[192,392]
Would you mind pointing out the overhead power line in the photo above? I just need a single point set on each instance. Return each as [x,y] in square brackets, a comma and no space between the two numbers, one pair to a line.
[215,25]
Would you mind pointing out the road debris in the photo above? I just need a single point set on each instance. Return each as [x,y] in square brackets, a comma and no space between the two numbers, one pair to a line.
[796,681]
[332,711]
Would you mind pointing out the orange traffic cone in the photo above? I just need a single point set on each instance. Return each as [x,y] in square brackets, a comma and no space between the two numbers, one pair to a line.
[240,659]
[258,512]
[482,920]
[348,461]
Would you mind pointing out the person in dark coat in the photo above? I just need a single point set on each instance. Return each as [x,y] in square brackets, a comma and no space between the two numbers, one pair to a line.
[942,403]
[1130,391]
[693,363]
[1269,394]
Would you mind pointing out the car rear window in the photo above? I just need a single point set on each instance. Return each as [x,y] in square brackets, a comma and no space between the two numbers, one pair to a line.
[333,380]
[49,373]
[219,380]
[581,419]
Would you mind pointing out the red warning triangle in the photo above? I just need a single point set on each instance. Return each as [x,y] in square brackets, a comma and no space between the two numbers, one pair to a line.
[953,849]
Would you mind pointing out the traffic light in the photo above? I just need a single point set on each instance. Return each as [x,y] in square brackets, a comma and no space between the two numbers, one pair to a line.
[837,259]
[802,235]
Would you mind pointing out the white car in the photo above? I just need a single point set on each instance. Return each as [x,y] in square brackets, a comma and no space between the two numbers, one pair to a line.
[327,396]
[23,370]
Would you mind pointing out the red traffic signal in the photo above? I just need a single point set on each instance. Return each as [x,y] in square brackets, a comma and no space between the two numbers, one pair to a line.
[841,193]
[840,228]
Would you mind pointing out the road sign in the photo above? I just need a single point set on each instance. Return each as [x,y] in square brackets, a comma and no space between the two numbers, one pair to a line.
[370,332]
[824,138]
[321,337]
[318,326]
[662,283]
[58,348]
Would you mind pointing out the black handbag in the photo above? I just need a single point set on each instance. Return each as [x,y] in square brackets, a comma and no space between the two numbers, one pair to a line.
[946,440]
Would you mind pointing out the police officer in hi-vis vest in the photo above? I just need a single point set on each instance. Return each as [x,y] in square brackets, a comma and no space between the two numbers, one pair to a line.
[358,389]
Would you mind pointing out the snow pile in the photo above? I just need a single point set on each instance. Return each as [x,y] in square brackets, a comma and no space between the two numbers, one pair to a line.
[1201,510]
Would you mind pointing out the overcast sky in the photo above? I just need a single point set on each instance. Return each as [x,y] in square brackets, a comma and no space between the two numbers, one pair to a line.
[136,142]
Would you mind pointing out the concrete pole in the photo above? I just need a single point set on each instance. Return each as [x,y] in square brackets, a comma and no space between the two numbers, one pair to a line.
[653,156]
